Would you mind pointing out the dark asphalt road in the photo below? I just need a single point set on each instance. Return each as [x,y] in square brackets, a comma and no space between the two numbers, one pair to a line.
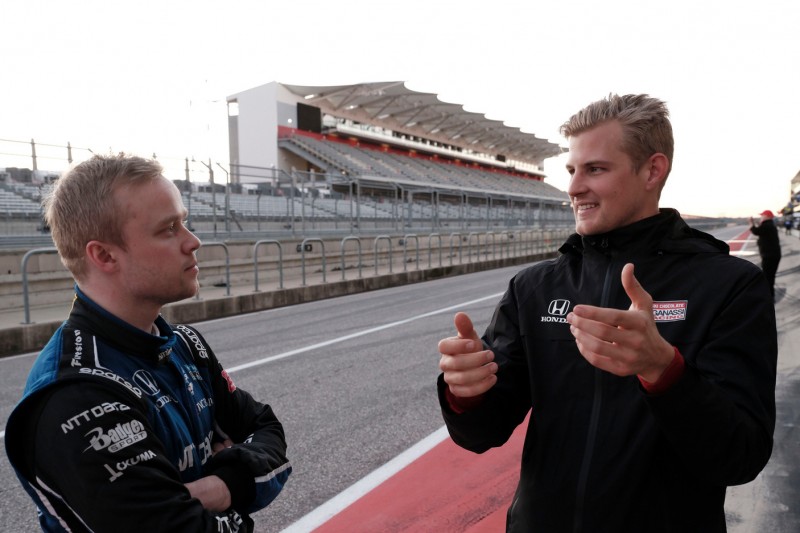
[352,402]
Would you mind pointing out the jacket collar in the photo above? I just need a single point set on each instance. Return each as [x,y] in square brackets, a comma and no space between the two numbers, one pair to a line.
[89,316]
[666,232]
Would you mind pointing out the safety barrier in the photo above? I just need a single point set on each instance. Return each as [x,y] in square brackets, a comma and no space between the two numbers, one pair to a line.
[255,261]
[227,267]
[341,252]
[527,242]
[25,259]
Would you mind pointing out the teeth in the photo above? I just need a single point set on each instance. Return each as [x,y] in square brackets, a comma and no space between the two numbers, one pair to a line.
[584,207]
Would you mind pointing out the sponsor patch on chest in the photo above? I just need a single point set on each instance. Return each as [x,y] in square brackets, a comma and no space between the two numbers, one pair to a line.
[670,311]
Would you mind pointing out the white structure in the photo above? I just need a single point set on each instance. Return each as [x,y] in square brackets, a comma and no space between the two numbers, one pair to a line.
[381,114]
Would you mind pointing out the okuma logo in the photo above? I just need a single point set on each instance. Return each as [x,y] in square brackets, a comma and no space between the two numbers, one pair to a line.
[556,311]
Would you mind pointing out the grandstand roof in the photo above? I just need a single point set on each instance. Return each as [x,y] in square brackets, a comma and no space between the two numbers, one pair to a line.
[393,106]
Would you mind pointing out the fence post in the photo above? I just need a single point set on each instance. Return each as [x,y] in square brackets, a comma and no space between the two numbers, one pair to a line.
[255,261]
[375,251]
[227,267]
[303,258]
[341,252]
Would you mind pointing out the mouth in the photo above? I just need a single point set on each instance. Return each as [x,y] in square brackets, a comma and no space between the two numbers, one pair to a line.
[582,208]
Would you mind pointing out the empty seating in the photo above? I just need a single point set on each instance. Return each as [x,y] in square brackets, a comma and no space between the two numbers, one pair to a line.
[338,157]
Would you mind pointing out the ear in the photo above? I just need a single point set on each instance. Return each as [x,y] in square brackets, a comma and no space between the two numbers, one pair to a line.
[101,256]
[656,168]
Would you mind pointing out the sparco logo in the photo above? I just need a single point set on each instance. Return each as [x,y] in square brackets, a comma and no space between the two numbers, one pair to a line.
[557,310]
[194,339]
[113,377]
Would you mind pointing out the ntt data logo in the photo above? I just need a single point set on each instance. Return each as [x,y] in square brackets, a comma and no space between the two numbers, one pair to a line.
[556,311]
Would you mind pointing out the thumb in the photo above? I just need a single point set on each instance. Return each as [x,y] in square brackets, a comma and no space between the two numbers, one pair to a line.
[640,298]
[464,327]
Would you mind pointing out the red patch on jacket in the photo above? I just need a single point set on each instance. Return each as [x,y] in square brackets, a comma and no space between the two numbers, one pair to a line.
[231,384]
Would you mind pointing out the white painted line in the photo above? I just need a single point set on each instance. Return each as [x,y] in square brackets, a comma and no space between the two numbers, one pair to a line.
[743,251]
[341,501]
[347,337]
[290,353]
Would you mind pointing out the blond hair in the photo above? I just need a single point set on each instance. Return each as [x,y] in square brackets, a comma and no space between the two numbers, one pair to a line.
[646,129]
[81,207]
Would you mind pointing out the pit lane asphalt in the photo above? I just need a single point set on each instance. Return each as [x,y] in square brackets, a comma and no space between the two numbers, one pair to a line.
[350,406]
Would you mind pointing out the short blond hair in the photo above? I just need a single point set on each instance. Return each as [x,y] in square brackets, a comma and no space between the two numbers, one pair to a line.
[81,206]
[646,128]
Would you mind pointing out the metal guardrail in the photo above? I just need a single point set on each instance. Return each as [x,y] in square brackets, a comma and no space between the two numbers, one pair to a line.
[430,251]
[469,245]
[450,253]
[341,253]
[494,243]
[405,250]
[525,242]
[25,259]
[255,261]
[375,250]
[227,267]
[303,257]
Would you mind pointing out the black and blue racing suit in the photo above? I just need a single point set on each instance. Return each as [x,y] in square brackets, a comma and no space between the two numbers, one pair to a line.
[114,421]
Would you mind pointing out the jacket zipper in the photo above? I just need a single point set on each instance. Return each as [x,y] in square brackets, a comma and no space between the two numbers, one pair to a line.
[594,421]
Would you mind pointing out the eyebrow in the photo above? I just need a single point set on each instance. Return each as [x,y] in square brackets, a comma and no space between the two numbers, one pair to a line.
[594,163]
[171,218]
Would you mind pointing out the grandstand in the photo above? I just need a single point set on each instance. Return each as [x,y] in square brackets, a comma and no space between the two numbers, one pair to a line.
[403,154]
[352,158]
[20,200]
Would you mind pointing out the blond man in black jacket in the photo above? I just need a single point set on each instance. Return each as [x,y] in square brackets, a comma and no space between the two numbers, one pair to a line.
[649,390]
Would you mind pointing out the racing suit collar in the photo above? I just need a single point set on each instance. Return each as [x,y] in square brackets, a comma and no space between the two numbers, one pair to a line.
[89,316]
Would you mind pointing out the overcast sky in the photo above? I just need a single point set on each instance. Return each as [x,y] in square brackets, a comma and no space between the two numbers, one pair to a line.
[152,76]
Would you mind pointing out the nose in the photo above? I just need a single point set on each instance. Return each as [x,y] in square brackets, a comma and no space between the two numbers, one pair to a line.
[577,185]
[192,243]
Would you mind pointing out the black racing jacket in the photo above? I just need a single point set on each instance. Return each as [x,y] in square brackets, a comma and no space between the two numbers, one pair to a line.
[601,454]
[114,422]
[769,244]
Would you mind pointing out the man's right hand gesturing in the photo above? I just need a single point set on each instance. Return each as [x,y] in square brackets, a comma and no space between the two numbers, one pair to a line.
[468,369]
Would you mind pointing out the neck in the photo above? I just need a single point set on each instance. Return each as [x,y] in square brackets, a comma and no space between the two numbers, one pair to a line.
[140,315]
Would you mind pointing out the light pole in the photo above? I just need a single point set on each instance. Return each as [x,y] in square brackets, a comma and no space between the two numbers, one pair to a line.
[213,194]
[227,198]
[258,209]
[189,193]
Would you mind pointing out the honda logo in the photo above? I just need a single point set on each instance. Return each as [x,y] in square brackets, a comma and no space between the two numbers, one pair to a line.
[558,307]
[146,382]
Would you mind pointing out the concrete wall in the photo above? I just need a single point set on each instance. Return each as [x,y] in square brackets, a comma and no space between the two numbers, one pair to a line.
[30,337]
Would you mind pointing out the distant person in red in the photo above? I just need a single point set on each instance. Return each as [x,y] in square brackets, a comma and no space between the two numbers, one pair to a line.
[649,391]
[769,246]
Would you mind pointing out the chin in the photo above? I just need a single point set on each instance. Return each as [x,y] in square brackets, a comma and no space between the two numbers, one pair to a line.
[587,230]
[188,293]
